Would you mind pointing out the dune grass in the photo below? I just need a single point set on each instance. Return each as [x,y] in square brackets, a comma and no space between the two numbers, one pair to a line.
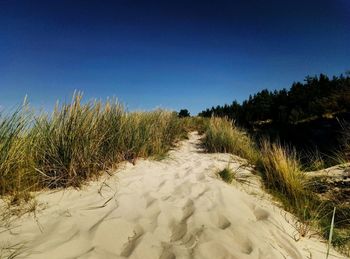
[77,141]
[222,136]
[14,151]
[282,174]
[226,174]
[279,167]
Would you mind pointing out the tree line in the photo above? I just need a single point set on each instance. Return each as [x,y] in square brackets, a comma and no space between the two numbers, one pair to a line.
[315,97]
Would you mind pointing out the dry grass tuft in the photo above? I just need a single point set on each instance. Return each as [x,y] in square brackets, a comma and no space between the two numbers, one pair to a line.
[282,173]
[227,175]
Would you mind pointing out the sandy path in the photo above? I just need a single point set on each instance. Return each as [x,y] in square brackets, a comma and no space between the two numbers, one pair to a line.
[175,208]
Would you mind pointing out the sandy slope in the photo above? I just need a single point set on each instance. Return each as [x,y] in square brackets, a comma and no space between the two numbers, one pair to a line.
[175,208]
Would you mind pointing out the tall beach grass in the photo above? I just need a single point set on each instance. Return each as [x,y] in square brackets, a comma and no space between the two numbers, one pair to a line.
[281,171]
[14,151]
[279,167]
[222,136]
[78,140]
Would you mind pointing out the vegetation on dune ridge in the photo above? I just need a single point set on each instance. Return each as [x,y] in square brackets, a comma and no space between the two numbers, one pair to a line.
[283,177]
[312,117]
[222,136]
[282,173]
[77,141]
[308,116]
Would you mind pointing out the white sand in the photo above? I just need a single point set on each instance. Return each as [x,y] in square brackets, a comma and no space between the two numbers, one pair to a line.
[175,208]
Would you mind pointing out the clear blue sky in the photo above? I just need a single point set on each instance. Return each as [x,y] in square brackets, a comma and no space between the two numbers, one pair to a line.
[170,54]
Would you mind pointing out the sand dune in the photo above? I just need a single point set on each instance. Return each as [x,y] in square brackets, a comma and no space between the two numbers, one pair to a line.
[175,208]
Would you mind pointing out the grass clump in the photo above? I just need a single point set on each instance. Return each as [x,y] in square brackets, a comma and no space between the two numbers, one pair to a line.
[279,167]
[222,136]
[315,161]
[226,175]
[281,172]
[69,143]
[77,141]
[14,152]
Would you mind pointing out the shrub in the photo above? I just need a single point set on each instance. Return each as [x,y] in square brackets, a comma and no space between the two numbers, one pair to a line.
[184,113]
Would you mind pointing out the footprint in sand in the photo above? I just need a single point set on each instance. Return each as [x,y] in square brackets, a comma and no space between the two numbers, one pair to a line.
[200,177]
[183,189]
[261,214]
[161,184]
[198,190]
[187,209]
[247,247]
[178,230]
[124,241]
[149,199]
[167,255]
[223,222]
[165,197]
[130,245]
[212,249]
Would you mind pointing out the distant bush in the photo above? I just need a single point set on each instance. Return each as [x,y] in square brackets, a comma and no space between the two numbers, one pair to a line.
[184,113]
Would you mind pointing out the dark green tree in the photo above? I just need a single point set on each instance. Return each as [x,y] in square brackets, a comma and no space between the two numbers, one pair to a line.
[315,97]
[184,113]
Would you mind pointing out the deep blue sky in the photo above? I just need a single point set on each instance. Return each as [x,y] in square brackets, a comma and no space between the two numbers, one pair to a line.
[169,54]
